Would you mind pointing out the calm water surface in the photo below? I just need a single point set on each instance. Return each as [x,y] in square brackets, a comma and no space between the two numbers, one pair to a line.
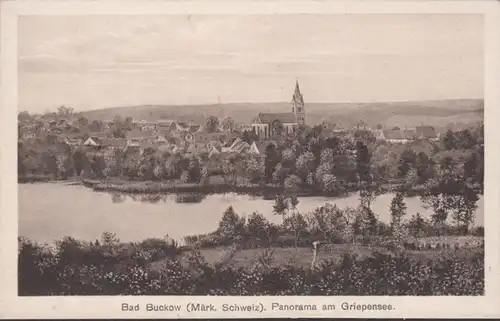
[48,212]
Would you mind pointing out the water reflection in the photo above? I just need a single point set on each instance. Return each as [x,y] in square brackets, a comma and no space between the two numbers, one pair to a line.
[117,197]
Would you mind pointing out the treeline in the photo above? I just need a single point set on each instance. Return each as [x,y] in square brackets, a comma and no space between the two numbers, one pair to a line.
[108,267]
[334,225]
[306,160]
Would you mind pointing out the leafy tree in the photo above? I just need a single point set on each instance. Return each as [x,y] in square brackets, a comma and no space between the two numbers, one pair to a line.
[194,170]
[326,156]
[417,225]
[228,124]
[305,164]
[98,165]
[293,182]
[128,124]
[370,221]
[464,208]
[255,169]
[366,195]
[322,170]
[331,222]
[231,226]
[257,226]
[96,126]
[83,121]
[24,116]
[118,133]
[363,158]
[298,225]
[277,127]
[280,173]
[364,136]
[271,160]
[211,124]
[184,176]
[411,179]
[425,168]
[471,167]
[330,183]
[444,193]
[249,137]
[293,201]
[49,162]
[407,161]
[280,206]
[288,157]
[398,210]
[449,141]
[465,139]
[64,111]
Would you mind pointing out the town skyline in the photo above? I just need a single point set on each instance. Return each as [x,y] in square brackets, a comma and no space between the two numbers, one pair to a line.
[104,62]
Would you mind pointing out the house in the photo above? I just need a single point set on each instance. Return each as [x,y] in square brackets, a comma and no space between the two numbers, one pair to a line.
[259,147]
[214,151]
[426,132]
[263,123]
[245,128]
[28,135]
[93,141]
[239,146]
[395,136]
[195,128]
[161,139]
[72,140]
[166,126]
[181,127]
[132,149]
[195,149]
[205,138]
[410,134]
[138,136]
[114,143]
[147,146]
[148,126]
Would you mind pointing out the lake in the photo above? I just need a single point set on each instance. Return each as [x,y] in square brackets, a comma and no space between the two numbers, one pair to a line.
[50,211]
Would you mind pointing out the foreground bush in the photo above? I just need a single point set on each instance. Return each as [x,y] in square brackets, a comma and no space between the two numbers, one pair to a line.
[75,268]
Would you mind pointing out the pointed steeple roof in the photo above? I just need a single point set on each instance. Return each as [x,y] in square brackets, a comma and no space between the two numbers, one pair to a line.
[297,96]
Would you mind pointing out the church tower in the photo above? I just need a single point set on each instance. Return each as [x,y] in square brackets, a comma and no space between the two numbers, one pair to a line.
[298,105]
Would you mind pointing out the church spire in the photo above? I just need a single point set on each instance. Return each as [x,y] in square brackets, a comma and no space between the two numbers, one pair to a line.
[298,105]
[297,96]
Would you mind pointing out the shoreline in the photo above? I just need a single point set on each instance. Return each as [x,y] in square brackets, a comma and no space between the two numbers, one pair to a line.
[267,191]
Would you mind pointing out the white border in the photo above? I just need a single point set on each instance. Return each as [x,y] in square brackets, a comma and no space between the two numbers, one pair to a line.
[12,306]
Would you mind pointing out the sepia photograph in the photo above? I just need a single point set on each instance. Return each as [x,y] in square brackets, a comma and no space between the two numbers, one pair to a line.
[218,154]
[255,155]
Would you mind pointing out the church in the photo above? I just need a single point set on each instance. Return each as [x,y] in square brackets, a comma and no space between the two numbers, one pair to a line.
[262,124]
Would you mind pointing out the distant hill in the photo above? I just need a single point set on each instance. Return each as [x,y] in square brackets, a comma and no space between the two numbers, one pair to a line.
[439,113]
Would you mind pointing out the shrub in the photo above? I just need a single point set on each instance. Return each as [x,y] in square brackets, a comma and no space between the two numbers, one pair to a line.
[42,273]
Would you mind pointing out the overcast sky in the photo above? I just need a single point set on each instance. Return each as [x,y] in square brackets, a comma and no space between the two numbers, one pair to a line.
[94,62]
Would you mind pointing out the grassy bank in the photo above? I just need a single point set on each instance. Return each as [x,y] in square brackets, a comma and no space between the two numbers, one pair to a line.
[266,190]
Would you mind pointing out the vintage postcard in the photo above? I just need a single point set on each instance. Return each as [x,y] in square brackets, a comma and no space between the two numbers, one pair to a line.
[231,159]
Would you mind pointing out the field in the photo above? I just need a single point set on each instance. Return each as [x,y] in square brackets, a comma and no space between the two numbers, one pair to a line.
[301,257]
